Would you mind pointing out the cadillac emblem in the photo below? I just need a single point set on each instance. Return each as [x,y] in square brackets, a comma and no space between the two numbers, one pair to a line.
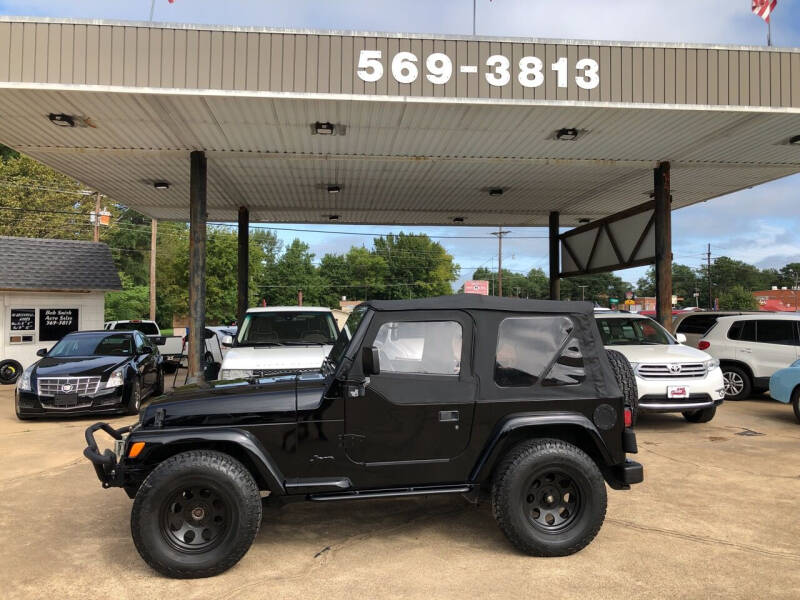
[66,388]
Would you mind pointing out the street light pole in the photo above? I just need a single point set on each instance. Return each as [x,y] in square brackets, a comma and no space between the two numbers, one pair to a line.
[583,291]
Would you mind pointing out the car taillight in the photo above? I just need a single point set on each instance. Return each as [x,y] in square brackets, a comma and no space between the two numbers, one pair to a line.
[628,417]
[702,345]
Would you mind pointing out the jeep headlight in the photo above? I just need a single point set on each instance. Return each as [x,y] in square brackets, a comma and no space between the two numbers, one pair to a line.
[116,379]
[24,381]
[235,373]
[712,364]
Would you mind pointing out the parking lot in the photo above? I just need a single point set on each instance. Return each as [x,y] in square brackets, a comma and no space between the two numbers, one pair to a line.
[717,516]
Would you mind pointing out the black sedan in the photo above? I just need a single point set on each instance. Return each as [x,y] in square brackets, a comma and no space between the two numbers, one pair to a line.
[91,372]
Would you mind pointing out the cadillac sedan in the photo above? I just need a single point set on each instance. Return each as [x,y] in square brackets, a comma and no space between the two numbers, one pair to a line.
[91,372]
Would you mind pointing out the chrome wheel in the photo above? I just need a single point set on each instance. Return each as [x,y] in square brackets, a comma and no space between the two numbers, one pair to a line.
[734,384]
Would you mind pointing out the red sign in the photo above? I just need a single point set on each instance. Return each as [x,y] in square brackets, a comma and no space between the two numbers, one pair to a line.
[477,287]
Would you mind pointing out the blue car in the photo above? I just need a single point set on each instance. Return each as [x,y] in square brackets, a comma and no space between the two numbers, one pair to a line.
[784,386]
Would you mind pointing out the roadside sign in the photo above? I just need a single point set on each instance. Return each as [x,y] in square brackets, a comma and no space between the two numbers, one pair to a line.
[477,286]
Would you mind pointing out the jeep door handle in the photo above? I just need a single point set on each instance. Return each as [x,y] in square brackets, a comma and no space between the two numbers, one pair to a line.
[448,416]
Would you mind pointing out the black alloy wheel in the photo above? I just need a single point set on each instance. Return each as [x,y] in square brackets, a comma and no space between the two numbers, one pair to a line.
[194,518]
[553,500]
[548,497]
[10,370]
[196,514]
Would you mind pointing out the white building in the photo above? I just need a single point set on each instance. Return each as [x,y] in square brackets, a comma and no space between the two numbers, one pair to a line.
[49,288]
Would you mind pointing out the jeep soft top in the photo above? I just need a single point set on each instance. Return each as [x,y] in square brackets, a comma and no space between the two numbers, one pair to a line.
[472,395]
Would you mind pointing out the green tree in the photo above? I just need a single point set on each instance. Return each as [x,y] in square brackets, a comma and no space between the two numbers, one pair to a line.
[36,201]
[599,288]
[417,267]
[737,297]
[684,283]
[132,302]
[293,271]
[535,284]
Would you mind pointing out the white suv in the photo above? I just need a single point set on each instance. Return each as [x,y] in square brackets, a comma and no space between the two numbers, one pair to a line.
[751,348]
[670,377]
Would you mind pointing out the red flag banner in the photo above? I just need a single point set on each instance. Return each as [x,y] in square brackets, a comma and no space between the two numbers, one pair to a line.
[764,8]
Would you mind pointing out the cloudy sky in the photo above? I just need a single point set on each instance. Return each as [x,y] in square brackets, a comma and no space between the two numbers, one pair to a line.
[760,226]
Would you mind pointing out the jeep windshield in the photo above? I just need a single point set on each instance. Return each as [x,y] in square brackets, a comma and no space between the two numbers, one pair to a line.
[287,328]
[345,335]
[620,331]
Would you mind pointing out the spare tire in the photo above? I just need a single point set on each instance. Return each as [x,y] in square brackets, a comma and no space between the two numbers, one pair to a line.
[10,370]
[626,381]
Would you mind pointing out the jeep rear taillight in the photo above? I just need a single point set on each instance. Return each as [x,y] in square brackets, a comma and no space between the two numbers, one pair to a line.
[628,417]
[702,345]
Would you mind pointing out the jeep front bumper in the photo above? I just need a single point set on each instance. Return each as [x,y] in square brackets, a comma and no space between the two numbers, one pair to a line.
[105,464]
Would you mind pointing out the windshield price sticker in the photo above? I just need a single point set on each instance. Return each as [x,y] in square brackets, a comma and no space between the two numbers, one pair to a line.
[438,68]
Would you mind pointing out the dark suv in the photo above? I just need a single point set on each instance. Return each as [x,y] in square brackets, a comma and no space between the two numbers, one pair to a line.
[453,395]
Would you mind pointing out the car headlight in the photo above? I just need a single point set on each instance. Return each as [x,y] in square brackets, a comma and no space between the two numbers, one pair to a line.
[24,381]
[116,379]
[235,373]
[712,364]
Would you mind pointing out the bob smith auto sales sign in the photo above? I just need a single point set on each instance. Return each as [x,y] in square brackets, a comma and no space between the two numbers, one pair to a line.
[497,69]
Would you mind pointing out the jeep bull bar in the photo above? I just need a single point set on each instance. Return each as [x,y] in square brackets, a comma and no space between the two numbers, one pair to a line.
[105,463]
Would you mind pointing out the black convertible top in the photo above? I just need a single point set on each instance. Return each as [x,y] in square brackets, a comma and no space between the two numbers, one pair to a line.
[478,302]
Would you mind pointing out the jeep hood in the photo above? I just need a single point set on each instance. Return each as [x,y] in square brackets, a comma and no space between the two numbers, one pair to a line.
[661,353]
[276,357]
[225,403]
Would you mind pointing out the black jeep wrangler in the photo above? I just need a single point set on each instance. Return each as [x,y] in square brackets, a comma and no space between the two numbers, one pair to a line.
[453,395]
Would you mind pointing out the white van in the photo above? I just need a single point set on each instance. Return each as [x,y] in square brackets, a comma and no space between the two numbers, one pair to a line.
[278,339]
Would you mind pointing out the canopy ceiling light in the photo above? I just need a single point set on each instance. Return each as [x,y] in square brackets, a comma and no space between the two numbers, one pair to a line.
[61,119]
[458,219]
[334,189]
[495,191]
[333,217]
[584,220]
[567,134]
[324,128]
[795,140]
[161,185]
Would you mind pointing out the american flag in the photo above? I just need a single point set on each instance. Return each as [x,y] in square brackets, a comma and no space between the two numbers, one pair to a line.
[764,8]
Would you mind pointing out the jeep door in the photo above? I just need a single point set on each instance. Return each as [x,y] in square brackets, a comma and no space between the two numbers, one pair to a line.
[420,406]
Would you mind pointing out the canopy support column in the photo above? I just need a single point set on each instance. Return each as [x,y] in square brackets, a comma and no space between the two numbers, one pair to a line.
[663,239]
[555,263]
[243,264]
[197,266]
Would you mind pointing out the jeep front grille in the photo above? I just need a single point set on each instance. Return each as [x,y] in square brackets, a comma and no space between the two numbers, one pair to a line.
[671,371]
[83,386]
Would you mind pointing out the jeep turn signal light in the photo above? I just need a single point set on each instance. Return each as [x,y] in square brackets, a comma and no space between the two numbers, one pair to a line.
[137,447]
[628,420]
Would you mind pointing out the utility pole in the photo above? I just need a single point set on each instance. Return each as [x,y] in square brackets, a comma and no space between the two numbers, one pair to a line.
[708,259]
[97,216]
[500,233]
[153,235]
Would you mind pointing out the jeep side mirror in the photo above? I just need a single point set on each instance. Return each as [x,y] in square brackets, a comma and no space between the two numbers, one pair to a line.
[41,352]
[681,337]
[227,341]
[370,361]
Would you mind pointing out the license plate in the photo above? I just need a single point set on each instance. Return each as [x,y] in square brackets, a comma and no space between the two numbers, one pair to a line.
[65,400]
[677,391]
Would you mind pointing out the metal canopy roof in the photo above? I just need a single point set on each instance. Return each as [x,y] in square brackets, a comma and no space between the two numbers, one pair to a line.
[423,155]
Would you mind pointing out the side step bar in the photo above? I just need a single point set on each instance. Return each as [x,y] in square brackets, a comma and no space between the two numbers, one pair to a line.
[391,493]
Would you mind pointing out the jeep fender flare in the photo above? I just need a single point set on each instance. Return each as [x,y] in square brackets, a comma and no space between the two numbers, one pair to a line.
[261,460]
[533,422]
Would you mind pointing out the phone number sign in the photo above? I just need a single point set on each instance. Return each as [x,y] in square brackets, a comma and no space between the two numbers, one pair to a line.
[498,70]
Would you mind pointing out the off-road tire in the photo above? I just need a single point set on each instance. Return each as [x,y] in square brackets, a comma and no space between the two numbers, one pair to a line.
[229,479]
[747,382]
[10,370]
[796,403]
[135,400]
[511,497]
[703,415]
[626,380]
